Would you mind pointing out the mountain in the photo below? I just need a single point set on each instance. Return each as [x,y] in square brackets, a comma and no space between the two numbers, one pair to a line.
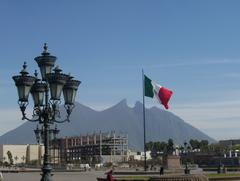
[160,125]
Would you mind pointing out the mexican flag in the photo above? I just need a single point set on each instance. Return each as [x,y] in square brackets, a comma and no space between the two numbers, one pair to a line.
[152,90]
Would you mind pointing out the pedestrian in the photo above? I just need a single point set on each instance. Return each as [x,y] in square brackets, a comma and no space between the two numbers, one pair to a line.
[109,176]
[219,169]
[161,170]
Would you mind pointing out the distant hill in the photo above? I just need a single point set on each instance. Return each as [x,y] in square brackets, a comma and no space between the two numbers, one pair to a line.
[160,125]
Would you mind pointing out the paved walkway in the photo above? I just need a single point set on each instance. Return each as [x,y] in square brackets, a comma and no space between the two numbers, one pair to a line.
[58,176]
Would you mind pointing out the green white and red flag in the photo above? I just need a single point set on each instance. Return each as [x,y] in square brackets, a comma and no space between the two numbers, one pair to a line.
[154,90]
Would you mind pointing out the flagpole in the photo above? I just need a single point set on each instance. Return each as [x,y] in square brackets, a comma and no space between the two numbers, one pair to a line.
[144,123]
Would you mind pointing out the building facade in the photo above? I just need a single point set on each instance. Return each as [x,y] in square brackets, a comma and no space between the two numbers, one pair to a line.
[22,153]
[93,148]
[229,143]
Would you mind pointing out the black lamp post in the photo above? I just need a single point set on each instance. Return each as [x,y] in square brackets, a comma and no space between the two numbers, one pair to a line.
[46,110]
[39,133]
[53,132]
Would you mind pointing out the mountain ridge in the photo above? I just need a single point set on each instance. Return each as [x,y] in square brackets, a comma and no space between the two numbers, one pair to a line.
[160,125]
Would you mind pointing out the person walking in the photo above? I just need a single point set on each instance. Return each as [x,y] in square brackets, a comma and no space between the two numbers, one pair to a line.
[109,176]
[161,170]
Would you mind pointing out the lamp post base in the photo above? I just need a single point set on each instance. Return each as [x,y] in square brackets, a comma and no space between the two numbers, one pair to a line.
[47,175]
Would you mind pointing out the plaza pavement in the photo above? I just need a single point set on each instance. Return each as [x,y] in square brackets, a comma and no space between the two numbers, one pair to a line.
[58,176]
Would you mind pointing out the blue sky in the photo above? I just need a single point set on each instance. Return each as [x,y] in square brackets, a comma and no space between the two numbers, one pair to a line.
[190,47]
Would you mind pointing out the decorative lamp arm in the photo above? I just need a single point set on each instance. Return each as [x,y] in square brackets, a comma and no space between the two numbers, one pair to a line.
[23,106]
[31,120]
[68,108]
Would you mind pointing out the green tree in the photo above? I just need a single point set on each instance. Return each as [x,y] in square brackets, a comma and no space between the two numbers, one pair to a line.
[162,146]
[195,144]
[149,146]
[181,148]
[204,143]
[217,148]
[10,157]
[236,147]
[156,146]
[204,146]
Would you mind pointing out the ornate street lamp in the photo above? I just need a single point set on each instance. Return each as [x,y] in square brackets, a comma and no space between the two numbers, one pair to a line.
[39,134]
[46,110]
[53,133]
[38,89]
[69,92]
[24,84]
[45,62]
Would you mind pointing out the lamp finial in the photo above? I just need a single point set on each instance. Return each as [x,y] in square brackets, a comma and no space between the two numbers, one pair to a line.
[45,47]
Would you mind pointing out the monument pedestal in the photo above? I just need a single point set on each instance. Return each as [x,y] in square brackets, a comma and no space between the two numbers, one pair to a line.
[172,162]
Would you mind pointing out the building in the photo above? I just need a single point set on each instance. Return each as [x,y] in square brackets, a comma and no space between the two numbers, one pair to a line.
[95,148]
[139,156]
[211,159]
[22,153]
[34,153]
[229,143]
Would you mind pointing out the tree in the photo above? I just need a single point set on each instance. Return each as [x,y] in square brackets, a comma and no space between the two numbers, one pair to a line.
[236,147]
[217,148]
[156,148]
[162,146]
[10,158]
[23,159]
[204,145]
[195,144]
[149,146]
[16,158]
[181,148]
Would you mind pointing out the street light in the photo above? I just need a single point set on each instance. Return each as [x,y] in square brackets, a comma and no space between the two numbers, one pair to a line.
[24,84]
[45,62]
[53,132]
[46,110]
[39,133]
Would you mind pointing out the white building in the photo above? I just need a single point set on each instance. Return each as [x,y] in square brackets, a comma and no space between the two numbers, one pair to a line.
[22,153]
[139,155]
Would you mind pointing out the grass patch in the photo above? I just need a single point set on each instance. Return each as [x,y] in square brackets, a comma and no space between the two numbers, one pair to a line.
[222,175]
